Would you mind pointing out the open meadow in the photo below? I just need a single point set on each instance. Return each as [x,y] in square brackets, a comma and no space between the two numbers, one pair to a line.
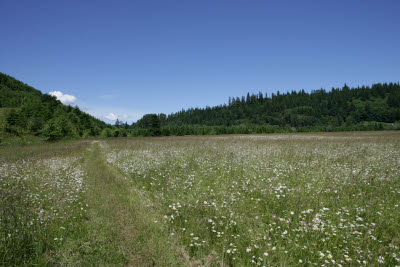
[323,199]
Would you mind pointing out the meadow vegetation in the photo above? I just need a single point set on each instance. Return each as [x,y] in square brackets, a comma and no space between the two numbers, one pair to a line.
[326,199]
[42,203]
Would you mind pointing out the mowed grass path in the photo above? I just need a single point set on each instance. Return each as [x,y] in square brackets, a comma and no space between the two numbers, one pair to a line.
[267,200]
[121,216]
[62,204]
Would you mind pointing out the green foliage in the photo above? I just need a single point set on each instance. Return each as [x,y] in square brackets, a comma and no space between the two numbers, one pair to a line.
[35,125]
[123,132]
[151,123]
[58,128]
[26,111]
[87,133]
[106,132]
[115,133]
[335,110]
[154,125]
[52,131]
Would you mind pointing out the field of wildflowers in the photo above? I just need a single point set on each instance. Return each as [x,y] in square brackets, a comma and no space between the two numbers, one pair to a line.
[42,202]
[305,199]
[267,200]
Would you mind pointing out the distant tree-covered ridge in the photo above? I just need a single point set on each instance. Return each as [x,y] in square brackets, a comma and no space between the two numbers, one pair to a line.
[26,111]
[361,108]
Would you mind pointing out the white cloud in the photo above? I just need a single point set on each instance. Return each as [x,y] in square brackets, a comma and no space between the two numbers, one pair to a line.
[111,117]
[123,115]
[110,114]
[64,98]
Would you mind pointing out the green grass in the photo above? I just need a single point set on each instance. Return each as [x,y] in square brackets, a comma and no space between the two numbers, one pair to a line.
[273,200]
[42,204]
[122,218]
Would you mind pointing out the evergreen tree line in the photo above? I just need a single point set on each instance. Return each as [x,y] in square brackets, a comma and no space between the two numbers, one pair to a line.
[340,109]
[26,111]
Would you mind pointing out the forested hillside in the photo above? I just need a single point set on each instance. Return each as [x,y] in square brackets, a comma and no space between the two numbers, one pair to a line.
[26,111]
[362,108]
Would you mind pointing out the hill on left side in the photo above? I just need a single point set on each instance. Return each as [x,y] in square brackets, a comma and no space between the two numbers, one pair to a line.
[25,111]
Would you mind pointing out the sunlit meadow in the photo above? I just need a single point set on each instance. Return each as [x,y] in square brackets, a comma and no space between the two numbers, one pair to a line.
[273,199]
[42,202]
[267,200]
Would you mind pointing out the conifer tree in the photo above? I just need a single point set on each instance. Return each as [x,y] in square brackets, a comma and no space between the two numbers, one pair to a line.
[154,127]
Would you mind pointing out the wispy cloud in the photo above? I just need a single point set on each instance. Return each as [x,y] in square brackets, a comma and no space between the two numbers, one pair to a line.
[111,114]
[111,117]
[64,98]
[123,115]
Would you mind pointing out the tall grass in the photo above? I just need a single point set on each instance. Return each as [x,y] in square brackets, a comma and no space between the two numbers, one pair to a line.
[273,199]
[269,200]
[42,201]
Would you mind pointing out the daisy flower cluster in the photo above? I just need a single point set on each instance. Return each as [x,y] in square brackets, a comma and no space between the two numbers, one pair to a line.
[42,201]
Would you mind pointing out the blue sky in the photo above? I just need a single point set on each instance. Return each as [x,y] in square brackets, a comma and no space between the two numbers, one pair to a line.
[128,58]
